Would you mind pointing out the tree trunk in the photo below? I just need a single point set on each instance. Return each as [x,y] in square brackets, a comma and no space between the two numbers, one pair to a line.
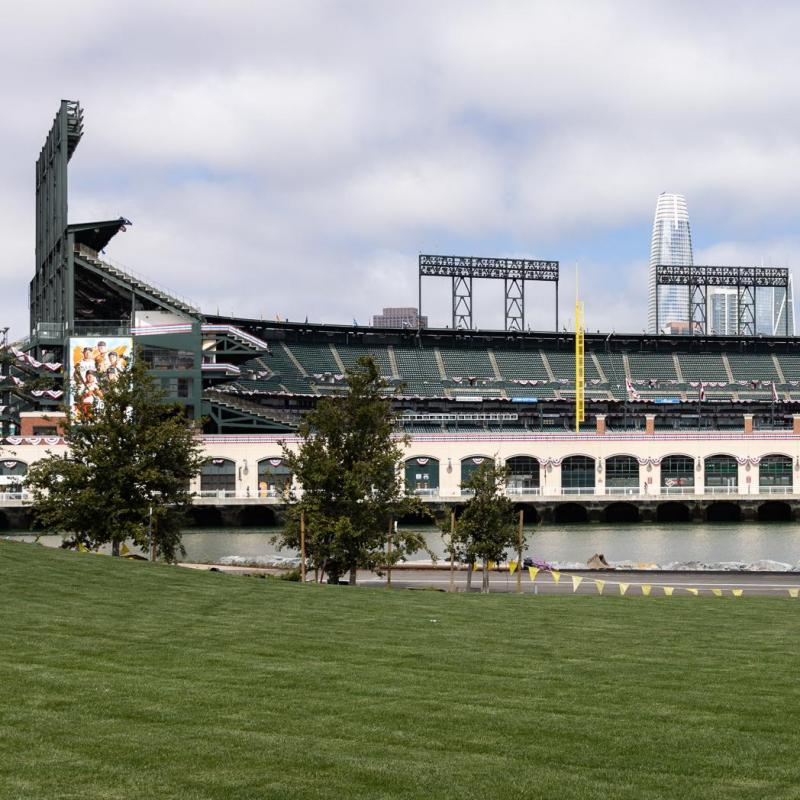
[114,547]
[353,575]
[485,579]
[469,576]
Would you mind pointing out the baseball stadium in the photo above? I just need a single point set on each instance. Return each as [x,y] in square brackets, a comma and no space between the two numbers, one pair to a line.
[604,427]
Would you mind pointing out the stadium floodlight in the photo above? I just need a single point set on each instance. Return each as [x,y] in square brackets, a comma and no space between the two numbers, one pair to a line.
[462,270]
[746,281]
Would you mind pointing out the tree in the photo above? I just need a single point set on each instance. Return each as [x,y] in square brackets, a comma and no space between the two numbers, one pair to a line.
[129,452]
[351,487]
[486,526]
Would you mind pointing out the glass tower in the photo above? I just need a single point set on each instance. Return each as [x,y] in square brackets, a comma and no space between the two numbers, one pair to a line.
[671,244]
[774,309]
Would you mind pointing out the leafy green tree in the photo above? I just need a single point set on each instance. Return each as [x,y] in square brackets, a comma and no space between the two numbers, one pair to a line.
[130,452]
[486,526]
[351,486]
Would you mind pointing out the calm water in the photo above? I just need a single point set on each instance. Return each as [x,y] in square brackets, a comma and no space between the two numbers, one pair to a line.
[660,544]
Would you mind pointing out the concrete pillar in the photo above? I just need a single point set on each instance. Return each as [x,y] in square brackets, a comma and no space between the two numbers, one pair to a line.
[601,424]
[796,424]
[746,471]
[554,479]
[649,424]
[699,476]
[748,423]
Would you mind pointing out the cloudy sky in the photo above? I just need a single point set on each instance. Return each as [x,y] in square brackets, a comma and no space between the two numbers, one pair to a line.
[294,157]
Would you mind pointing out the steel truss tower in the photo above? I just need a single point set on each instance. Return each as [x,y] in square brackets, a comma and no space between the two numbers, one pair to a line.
[462,270]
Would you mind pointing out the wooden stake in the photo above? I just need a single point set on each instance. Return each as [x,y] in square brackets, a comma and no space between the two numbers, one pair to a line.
[519,552]
[389,558]
[452,550]
[302,546]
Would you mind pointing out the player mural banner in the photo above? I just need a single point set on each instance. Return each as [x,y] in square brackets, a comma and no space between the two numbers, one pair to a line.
[93,358]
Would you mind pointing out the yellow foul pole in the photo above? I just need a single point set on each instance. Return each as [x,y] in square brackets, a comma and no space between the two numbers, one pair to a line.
[579,373]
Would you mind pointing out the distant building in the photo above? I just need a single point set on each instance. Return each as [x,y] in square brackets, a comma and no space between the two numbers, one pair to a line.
[671,244]
[723,310]
[399,318]
[775,310]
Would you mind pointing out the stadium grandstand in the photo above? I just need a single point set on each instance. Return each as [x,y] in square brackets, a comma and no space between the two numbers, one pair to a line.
[246,376]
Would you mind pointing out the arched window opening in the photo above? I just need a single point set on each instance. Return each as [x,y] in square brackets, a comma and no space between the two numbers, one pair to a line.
[422,475]
[622,475]
[218,476]
[523,475]
[577,475]
[775,474]
[274,477]
[677,475]
[721,475]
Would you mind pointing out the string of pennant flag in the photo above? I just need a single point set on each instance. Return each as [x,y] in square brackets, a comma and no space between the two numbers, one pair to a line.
[646,589]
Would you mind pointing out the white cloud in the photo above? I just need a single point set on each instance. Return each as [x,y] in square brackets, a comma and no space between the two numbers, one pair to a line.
[294,158]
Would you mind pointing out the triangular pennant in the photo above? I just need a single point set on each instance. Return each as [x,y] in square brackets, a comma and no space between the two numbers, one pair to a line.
[668,590]
[576,582]
[695,592]
[737,592]
[600,586]
[717,592]
[623,587]
[512,567]
[646,587]
[794,592]
[533,572]
[555,575]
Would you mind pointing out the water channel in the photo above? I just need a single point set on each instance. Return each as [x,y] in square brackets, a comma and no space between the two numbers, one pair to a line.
[690,545]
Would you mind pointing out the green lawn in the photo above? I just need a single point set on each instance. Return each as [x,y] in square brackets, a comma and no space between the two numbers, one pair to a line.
[127,680]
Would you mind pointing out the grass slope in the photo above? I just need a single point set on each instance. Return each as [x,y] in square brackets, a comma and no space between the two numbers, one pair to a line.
[125,680]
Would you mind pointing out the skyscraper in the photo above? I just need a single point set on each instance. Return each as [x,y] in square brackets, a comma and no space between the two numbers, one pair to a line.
[775,310]
[671,244]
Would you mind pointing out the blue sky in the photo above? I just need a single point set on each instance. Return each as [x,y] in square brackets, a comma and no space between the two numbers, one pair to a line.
[293,158]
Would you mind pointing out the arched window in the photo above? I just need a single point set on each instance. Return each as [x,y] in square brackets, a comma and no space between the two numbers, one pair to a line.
[12,473]
[523,474]
[721,474]
[422,475]
[622,475]
[577,475]
[274,477]
[775,474]
[677,475]
[469,465]
[218,475]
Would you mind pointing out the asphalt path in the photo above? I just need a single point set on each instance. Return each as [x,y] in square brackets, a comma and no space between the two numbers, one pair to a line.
[751,583]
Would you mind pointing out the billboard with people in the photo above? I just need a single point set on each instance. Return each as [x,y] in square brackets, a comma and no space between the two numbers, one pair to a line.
[94,360]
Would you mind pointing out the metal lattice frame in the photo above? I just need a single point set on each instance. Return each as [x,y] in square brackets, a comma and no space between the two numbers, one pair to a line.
[746,281]
[746,310]
[513,271]
[515,304]
[698,307]
[462,303]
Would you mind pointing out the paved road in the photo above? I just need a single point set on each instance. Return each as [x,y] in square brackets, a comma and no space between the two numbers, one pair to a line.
[752,583]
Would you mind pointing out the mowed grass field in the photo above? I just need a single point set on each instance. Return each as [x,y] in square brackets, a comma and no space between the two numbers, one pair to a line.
[128,680]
